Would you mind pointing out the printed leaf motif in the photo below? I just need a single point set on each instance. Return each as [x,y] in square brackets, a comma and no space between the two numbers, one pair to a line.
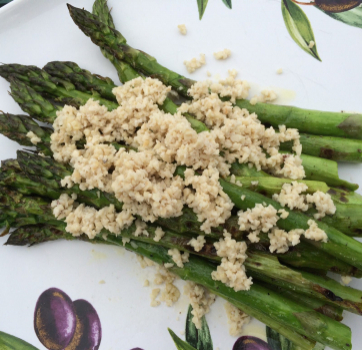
[204,341]
[299,27]
[352,17]
[227,3]
[201,4]
[276,341]
[180,344]
[198,338]
[9,342]
[191,332]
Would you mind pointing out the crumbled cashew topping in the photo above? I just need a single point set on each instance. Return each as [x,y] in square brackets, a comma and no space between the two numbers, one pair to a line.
[182,29]
[200,299]
[236,319]
[195,63]
[222,55]
[34,139]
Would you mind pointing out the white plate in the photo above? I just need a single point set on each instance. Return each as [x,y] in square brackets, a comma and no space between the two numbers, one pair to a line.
[35,32]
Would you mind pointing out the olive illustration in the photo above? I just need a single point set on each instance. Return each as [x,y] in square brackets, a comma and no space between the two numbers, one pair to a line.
[332,5]
[88,331]
[250,343]
[54,319]
[337,5]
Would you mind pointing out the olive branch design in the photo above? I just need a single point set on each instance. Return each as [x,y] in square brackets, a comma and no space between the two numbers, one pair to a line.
[298,24]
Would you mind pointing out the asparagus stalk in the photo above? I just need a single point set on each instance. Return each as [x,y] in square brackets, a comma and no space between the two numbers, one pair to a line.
[334,148]
[30,235]
[286,312]
[110,39]
[308,121]
[347,217]
[257,264]
[33,103]
[16,128]
[339,245]
[40,81]
[46,183]
[333,312]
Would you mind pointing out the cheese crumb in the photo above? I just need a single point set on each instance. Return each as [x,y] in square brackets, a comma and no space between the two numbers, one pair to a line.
[290,196]
[208,74]
[34,139]
[182,332]
[283,213]
[178,258]
[280,240]
[236,319]
[197,243]
[170,294]
[346,280]
[146,283]
[182,29]
[259,218]
[231,271]
[200,299]
[254,183]
[254,100]
[102,282]
[323,202]
[222,55]
[158,234]
[280,71]
[311,44]
[144,262]
[125,240]
[195,63]
[154,294]
[315,233]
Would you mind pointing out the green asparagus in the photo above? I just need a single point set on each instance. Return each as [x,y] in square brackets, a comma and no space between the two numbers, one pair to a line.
[347,125]
[266,302]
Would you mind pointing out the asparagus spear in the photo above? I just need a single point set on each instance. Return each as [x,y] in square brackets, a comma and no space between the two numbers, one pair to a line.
[50,173]
[16,127]
[45,182]
[334,148]
[315,169]
[308,121]
[30,235]
[257,264]
[40,81]
[345,248]
[267,302]
[317,305]
[33,103]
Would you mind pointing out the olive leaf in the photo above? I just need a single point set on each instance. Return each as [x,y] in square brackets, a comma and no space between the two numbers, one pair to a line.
[299,27]
[198,338]
[277,341]
[227,3]
[180,344]
[201,4]
[8,341]
[351,17]
[191,333]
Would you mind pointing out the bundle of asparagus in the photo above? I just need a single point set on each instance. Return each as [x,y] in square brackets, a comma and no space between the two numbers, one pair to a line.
[290,291]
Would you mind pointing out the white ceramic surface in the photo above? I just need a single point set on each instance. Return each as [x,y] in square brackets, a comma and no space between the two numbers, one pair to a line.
[38,31]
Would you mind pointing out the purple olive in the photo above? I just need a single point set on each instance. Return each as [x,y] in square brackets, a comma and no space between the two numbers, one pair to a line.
[250,343]
[88,332]
[54,319]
